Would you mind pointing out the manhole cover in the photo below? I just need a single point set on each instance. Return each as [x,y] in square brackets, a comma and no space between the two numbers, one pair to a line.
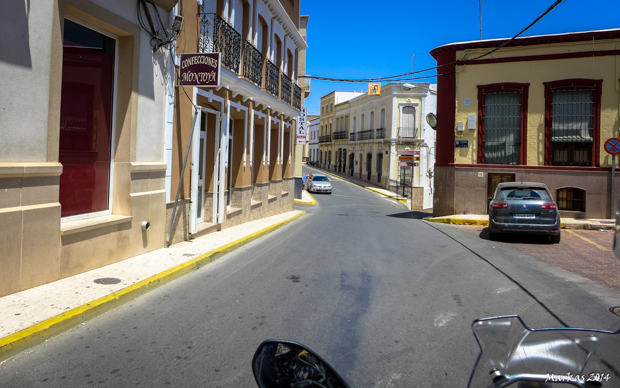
[615,310]
[107,281]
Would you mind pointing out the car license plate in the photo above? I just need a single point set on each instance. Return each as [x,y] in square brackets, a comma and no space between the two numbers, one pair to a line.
[525,216]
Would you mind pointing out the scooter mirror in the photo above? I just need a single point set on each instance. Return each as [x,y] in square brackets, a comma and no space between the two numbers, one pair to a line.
[284,364]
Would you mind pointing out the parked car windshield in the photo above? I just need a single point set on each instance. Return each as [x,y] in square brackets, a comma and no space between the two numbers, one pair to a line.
[524,193]
[320,179]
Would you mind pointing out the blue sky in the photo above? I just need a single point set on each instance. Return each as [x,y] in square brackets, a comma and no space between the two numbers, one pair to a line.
[364,38]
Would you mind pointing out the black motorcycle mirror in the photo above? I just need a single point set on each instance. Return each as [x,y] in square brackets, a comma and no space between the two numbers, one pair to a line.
[285,364]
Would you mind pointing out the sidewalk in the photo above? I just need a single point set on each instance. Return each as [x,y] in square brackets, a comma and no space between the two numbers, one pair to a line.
[361,183]
[30,317]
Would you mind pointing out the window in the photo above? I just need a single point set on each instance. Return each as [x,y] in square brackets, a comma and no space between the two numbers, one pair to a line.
[572,111]
[502,123]
[382,119]
[346,123]
[572,198]
[362,123]
[371,124]
[354,123]
[86,114]
[337,124]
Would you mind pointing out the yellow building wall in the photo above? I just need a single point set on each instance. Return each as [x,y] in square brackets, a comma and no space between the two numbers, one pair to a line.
[536,73]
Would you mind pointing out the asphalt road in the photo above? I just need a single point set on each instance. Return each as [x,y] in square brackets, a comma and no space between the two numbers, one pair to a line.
[385,297]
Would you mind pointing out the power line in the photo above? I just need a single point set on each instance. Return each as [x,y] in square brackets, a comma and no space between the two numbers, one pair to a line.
[398,77]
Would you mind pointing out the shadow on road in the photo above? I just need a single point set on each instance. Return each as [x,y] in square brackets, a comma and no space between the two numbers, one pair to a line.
[534,239]
[413,215]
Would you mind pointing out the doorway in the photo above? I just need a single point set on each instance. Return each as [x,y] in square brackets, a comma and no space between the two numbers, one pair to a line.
[493,181]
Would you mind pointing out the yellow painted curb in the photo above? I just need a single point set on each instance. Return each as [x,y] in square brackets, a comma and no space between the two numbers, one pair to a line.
[313,202]
[39,332]
[389,196]
[458,221]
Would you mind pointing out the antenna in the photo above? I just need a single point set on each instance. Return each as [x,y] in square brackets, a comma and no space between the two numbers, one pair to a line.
[480,15]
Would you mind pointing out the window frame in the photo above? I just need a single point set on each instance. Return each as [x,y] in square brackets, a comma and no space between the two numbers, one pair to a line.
[567,84]
[503,86]
[116,38]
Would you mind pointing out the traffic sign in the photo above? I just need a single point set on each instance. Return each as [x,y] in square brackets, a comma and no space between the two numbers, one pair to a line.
[612,146]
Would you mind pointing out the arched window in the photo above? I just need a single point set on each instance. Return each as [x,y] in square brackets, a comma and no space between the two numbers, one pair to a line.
[572,198]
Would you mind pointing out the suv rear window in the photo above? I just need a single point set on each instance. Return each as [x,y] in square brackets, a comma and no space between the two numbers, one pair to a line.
[524,194]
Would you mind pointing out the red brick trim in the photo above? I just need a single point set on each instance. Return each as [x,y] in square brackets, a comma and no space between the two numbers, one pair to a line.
[570,84]
[482,90]
[524,167]
[545,57]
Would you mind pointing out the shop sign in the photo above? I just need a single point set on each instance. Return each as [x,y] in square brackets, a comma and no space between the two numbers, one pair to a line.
[462,144]
[201,70]
[301,127]
[374,89]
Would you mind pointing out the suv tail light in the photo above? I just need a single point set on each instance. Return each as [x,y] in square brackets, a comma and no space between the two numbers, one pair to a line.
[549,206]
[499,205]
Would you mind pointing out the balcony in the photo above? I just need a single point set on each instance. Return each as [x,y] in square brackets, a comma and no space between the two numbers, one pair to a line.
[407,133]
[340,135]
[380,134]
[368,134]
[272,78]
[245,60]
[325,139]
[217,36]
[352,136]
[287,88]
[296,97]
[252,64]
[307,87]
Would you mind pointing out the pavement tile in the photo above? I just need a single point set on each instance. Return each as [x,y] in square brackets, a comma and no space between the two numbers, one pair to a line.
[587,253]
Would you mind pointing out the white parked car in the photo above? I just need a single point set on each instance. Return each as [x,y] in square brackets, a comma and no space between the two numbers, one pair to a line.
[319,184]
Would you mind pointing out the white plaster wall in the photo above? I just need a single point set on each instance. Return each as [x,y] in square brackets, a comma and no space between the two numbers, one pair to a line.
[152,84]
[25,50]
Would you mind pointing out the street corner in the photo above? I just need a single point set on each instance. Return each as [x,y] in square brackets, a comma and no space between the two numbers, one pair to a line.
[306,199]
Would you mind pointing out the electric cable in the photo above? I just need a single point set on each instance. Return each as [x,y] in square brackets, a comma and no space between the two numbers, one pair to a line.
[394,77]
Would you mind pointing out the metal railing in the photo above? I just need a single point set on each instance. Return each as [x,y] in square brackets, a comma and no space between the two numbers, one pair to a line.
[325,138]
[252,64]
[287,88]
[380,134]
[407,132]
[217,36]
[368,134]
[340,135]
[352,136]
[400,188]
[296,97]
[272,78]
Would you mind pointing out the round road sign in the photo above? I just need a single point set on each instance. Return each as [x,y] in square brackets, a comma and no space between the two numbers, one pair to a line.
[612,146]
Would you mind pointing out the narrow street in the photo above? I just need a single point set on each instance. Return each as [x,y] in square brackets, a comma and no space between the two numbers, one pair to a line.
[385,297]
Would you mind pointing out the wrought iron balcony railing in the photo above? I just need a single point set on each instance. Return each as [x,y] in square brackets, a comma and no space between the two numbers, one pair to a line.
[296,97]
[352,136]
[217,36]
[287,86]
[380,134]
[272,78]
[339,135]
[368,134]
[252,64]
[407,132]
[325,139]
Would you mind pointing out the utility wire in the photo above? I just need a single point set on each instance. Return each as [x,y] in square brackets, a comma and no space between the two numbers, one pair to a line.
[395,77]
